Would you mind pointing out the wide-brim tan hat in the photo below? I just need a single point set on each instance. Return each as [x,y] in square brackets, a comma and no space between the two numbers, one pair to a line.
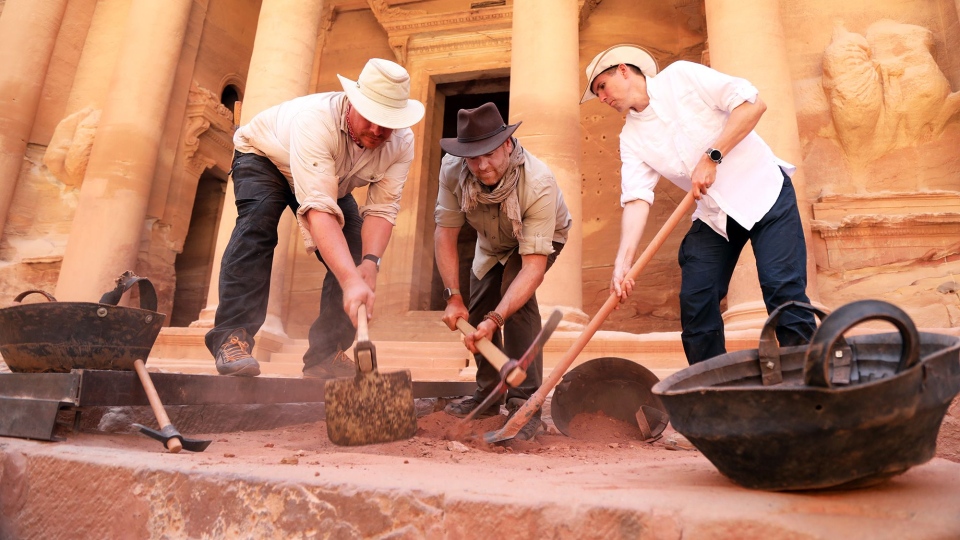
[633,55]
[381,94]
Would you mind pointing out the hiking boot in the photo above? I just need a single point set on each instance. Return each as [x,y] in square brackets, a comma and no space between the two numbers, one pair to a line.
[462,408]
[234,357]
[338,365]
[531,428]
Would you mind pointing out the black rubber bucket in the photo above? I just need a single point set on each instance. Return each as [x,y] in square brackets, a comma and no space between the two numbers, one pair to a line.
[56,337]
[839,413]
[616,387]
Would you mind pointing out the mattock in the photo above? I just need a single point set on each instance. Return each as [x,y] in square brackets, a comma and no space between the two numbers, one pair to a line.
[168,435]
[512,372]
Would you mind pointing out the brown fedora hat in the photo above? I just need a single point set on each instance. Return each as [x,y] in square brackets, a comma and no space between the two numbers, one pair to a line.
[479,131]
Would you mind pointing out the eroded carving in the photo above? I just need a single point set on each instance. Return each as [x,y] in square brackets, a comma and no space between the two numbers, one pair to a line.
[68,153]
[885,90]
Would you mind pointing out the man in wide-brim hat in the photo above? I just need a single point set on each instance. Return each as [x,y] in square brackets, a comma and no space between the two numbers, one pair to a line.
[511,198]
[309,154]
[694,126]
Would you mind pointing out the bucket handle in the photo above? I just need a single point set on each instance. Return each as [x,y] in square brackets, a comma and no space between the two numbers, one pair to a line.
[24,294]
[148,295]
[768,350]
[815,368]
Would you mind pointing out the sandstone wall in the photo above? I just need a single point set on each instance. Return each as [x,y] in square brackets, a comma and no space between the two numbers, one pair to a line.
[671,33]
[877,106]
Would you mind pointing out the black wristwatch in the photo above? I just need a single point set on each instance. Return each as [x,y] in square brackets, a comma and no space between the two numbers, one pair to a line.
[372,257]
[715,155]
[449,293]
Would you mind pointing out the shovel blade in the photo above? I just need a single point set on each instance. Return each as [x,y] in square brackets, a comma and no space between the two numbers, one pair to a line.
[370,408]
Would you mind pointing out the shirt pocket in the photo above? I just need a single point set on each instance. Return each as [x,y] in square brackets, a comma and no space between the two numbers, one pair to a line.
[697,128]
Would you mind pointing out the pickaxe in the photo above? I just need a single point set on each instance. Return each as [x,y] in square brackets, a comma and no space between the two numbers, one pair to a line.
[532,405]
[168,435]
[512,372]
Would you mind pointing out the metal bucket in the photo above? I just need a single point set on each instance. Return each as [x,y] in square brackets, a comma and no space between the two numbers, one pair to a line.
[56,337]
[617,387]
[782,419]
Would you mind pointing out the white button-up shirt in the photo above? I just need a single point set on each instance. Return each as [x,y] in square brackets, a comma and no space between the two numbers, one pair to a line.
[689,105]
[307,139]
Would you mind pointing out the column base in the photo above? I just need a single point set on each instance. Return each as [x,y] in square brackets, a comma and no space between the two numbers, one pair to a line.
[206,318]
[273,325]
[574,319]
[745,316]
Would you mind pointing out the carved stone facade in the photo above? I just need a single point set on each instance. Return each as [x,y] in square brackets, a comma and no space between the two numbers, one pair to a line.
[875,94]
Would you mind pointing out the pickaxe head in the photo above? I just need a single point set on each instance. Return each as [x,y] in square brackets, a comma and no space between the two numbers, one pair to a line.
[170,432]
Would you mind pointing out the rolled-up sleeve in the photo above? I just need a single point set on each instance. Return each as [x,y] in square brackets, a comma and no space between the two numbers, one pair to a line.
[447,212]
[719,90]
[637,179]
[540,219]
[312,141]
[383,196]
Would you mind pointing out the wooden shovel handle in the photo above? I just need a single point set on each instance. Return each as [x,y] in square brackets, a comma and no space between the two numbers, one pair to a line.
[520,418]
[362,332]
[492,354]
[173,445]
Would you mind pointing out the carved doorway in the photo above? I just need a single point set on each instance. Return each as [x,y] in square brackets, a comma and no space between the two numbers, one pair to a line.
[194,263]
[461,95]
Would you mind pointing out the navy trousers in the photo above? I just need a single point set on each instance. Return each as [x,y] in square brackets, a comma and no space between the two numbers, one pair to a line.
[707,261]
[262,194]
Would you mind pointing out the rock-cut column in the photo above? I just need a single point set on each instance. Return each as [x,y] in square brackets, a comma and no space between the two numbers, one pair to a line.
[28,33]
[545,95]
[747,40]
[280,69]
[109,223]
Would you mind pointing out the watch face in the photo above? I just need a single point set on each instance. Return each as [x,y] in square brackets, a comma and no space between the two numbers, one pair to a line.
[716,155]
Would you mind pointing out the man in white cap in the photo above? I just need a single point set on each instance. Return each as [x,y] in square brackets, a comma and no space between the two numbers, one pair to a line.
[309,154]
[694,126]
[489,181]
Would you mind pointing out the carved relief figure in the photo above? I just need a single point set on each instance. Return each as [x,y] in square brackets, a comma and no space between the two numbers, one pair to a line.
[885,90]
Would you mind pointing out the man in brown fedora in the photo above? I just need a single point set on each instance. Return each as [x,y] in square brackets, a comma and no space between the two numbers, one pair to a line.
[309,154]
[513,201]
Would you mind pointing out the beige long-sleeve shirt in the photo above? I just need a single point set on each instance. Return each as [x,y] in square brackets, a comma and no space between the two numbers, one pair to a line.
[307,139]
[544,214]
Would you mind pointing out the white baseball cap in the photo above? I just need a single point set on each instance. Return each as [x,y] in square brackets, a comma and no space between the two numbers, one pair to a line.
[614,56]
[381,94]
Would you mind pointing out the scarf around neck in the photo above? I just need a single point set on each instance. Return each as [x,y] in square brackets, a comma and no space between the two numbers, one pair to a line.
[505,194]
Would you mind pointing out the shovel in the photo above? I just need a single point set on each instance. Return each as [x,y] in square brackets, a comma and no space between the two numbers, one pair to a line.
[526,412]
[371,407]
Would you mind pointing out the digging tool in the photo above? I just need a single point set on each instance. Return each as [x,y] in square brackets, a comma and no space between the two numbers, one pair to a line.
[510,366]
[168,435]
[371,407]
[510,370]
[535,402]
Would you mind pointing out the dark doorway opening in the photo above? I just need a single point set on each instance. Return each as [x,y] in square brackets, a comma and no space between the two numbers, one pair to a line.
[194,263]
[464,95]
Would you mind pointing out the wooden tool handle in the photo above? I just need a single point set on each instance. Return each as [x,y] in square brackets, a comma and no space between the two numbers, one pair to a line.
[174,445]
[362,333]
[520,418]
[493,355]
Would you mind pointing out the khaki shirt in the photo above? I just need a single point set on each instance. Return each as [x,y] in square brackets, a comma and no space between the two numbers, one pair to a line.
[544,215]
[307,139]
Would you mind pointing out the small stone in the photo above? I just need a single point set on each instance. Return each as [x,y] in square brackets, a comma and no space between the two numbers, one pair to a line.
[268,445]
[229,455]
[456,446]
[292,460]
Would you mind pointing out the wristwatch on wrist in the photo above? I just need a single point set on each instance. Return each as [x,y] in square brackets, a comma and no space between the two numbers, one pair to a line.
[715,155]
[449,293]
[374,258]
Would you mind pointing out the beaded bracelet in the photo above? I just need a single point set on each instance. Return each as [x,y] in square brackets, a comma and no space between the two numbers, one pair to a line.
[495,317]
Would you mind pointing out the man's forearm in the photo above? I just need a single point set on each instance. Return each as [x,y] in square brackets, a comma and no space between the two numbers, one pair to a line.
[376,233]
[524,285]
[633,222]
[445,252]
[328,236]
[740,123]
